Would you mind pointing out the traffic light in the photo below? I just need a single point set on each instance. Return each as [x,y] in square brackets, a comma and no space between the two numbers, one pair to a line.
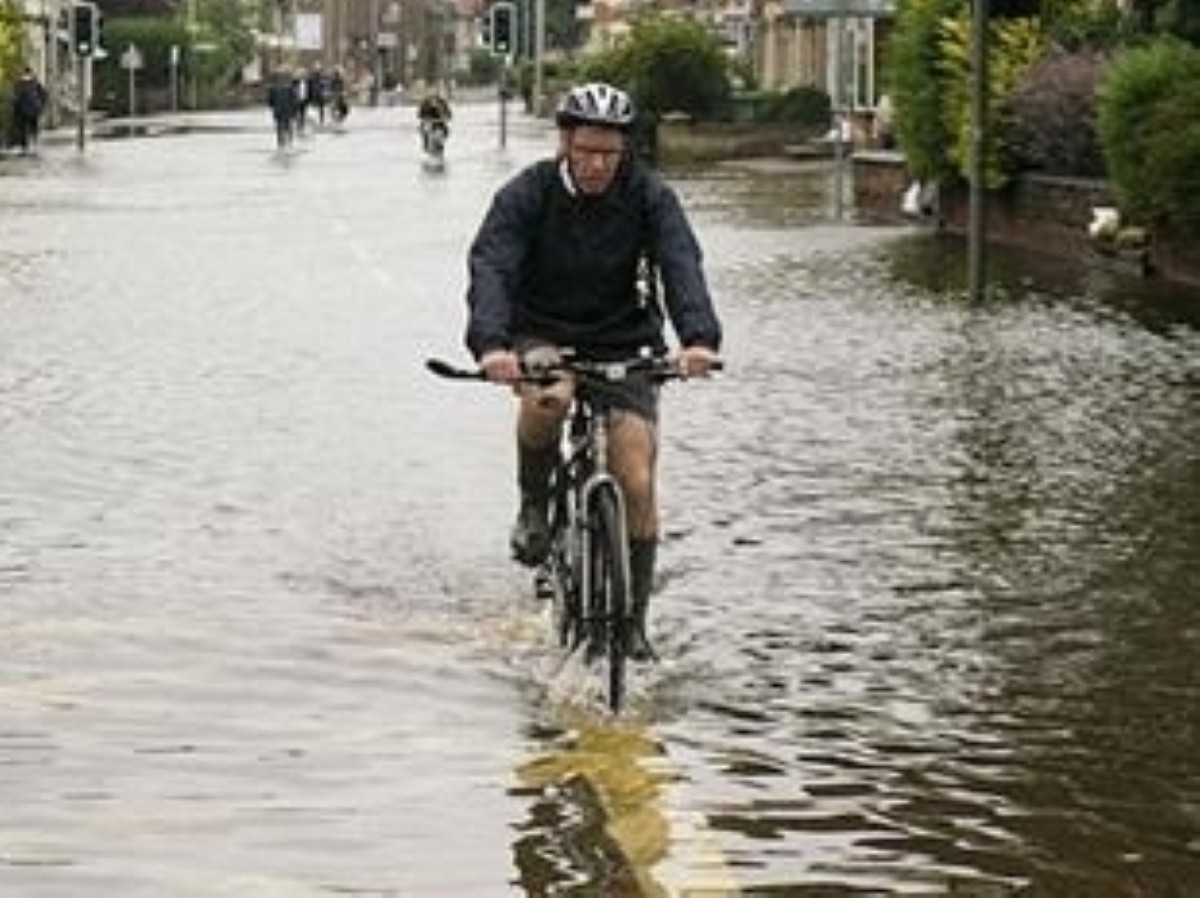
[85,29]
[503,31]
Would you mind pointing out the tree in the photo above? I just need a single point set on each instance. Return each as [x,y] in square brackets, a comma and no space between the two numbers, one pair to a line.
[1014,46]
[12,36]
[225,38]
[1150,131]
[915,78]
[929,75]
[668,65]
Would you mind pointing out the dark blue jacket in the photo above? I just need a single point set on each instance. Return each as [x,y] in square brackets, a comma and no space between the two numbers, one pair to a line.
[551,265]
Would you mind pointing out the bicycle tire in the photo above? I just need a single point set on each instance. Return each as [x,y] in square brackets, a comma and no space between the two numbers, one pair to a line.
[559,573]
[608,599]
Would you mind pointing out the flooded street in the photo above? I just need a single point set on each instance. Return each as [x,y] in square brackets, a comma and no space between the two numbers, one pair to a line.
[927,613]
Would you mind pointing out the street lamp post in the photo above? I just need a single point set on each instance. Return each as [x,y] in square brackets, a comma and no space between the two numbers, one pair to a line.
[539,52]
[192,67]
[976,240]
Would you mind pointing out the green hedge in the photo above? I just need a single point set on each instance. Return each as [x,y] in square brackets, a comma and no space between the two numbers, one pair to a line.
[1149,124]
[668,65]
[12,53]
[153,38]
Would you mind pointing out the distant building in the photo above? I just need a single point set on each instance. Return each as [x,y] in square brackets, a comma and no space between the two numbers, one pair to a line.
[383,42]
[836,45]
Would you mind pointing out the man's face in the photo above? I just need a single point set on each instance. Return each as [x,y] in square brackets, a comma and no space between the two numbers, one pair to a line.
[593,155]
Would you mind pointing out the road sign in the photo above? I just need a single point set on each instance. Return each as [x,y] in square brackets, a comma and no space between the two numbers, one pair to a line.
[131,59]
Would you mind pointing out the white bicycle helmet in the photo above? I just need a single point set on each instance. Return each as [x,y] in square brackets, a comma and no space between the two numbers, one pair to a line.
[595,104]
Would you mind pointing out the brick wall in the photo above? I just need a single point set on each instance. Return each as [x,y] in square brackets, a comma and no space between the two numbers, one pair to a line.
[879,184]
[1038,212]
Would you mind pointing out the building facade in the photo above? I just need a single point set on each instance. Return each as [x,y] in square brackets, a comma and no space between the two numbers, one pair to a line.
[380,43]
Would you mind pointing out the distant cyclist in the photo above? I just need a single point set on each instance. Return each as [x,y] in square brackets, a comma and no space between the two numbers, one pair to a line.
[433,115]
[557,262]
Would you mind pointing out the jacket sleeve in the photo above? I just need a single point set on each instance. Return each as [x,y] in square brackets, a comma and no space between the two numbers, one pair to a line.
[495,261]
[681,266]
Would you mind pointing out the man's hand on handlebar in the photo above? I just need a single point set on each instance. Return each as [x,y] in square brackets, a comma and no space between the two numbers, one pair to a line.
[502,366]
[697,361]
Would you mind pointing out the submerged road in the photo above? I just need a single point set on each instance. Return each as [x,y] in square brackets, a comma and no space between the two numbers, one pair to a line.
[927,612]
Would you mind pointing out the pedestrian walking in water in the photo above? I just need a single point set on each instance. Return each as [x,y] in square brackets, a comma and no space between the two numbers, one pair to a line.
[281,97]
[318,92]
[29,100]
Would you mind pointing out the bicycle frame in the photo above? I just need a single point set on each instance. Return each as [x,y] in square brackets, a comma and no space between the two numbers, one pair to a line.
[587,452]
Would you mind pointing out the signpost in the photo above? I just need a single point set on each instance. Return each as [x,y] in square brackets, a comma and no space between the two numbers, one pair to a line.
[131,61]
[174,63]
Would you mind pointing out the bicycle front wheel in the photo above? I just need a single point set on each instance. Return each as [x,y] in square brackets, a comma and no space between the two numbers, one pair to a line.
[608,593]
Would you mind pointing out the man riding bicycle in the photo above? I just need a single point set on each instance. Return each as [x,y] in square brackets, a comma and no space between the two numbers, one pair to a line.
[433,112]
[559,261]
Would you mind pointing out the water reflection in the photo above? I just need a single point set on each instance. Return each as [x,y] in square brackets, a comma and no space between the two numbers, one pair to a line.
[595,823]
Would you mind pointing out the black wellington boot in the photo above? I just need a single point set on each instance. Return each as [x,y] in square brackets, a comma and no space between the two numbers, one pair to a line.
[530,537]
[642,554]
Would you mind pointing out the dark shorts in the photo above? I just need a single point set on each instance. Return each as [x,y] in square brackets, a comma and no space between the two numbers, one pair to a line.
[637,395]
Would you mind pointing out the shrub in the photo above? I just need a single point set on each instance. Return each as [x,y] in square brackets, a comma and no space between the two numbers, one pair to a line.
[1014,45]
[914,79]
[805,105]
[12,34]
[668,65]
[1082,24]
[1149,124]
[1054,115]
[154,37]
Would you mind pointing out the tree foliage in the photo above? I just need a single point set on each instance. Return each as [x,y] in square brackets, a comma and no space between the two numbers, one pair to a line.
[1082,24]
[1014,45]
[12,51]
[914,78]
[668,65]
[1054,114]
[153,37]
[806,105]
[1149,123]
[224,38]
[117,9]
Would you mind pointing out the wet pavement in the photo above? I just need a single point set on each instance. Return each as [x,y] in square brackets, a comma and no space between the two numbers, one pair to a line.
[927,611]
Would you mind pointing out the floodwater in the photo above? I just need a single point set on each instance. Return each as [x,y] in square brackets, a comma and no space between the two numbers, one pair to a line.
[927,609]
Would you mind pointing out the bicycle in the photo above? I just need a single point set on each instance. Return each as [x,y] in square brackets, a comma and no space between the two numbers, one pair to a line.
[586,570]
[434,134]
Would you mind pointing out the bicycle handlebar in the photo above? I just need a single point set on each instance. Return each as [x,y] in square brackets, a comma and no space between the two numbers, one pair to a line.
[658,368]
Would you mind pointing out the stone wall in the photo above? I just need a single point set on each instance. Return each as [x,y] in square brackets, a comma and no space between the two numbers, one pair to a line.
[1038,213]
[683,141]
[1041,213]
[880,180]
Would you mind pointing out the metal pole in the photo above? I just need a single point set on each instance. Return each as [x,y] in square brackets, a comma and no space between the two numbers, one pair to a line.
[193,58]
[539,54]
[504,104]
[81,126]
[977,219]
[840,114]
[174,66]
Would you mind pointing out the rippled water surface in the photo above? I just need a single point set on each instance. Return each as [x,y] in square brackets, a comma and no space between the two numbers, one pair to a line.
[927,610]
